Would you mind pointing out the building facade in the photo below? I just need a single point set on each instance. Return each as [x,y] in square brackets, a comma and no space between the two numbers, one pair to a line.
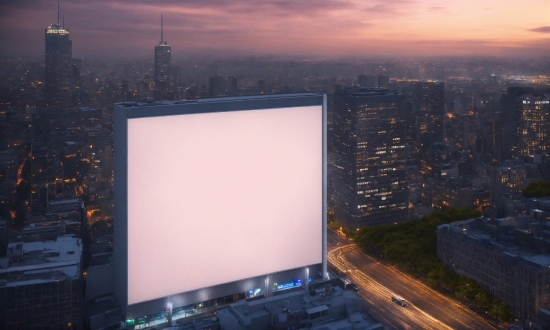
[40,288]
[508,261]
[369,164]
[64,148]
[58,68]
[533,124]
[525,122]
[163,67]
[429,100]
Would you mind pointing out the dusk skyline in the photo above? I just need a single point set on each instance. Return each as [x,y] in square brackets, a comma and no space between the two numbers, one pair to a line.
[331,28]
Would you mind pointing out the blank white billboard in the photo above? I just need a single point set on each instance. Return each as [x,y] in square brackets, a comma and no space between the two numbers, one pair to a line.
[219,197]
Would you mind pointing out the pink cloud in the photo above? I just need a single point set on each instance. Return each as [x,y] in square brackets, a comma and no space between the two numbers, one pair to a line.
[315,27]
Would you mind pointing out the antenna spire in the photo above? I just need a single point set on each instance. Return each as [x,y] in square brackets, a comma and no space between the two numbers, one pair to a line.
[161,29]
[63,21]
[57,12]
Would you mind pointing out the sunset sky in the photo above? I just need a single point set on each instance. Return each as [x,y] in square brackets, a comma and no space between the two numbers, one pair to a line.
[326,28]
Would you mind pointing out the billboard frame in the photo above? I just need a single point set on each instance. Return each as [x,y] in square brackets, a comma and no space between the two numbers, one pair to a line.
[122,112]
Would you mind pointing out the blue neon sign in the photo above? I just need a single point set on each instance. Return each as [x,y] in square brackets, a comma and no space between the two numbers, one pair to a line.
[288,285]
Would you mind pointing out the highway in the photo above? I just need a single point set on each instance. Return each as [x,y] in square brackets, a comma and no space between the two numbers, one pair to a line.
[377,283]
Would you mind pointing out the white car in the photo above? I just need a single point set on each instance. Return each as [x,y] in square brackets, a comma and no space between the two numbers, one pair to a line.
[398,300]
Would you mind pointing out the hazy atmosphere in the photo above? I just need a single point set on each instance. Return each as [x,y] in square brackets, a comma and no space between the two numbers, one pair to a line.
[328,28]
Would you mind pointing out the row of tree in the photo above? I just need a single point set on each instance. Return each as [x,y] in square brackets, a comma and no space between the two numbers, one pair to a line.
[413,246]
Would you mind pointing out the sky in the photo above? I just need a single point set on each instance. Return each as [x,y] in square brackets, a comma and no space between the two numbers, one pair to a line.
[321,28]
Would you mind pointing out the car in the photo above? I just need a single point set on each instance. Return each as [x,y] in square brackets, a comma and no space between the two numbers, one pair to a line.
[398,300]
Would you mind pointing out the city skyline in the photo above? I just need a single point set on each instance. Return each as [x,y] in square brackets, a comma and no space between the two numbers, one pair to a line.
[323,28]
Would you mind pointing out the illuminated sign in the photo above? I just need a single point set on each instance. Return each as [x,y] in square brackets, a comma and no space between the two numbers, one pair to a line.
[288,285]
[254,293]
[187,176]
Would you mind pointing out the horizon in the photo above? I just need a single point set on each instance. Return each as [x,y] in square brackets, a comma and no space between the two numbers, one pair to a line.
[335,29]
[358,59]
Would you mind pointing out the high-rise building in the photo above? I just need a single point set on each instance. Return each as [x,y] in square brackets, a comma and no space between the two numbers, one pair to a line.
[163,66]
[369,163]
[508,122]
[525,119]
[383,81]
[366,81]
[217,86]
[233,88]
[58,67]
[533,125]
[429,105]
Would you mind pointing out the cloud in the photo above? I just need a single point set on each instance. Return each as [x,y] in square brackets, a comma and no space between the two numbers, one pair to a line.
[132,27]
[541,29]
[388,8]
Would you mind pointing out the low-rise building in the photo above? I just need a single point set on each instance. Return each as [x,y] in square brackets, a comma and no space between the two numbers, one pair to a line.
[328,307]
[40,284]
[509,257]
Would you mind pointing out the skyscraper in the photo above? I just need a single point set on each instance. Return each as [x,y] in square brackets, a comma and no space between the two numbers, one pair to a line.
[429,104]
[369,162]
[366,81]
[216,86]
[525,122]
[58,67]
[163,66]
[533,124]
[383,81]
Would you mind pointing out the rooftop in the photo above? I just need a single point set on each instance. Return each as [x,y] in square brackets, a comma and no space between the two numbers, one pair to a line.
[329,307]
[495,234]
[213,100]
[37,262]
[369,91]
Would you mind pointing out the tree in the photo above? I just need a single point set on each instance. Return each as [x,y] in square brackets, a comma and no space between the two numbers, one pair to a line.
[537,189]
[413,246]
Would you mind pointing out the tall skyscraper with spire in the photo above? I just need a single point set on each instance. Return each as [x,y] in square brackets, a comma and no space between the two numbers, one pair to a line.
[58,67]
[163,65]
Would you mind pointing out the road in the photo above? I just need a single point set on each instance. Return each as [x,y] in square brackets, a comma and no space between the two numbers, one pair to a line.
[426,309]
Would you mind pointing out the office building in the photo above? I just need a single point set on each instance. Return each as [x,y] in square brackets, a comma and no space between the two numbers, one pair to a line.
[326,306]
[508,121]
[506,256]
[443,194]
[369,165]
[233,85]
[217,86]
[239,165]
[429,109]
[533,125]
[40,283]
[525,122]
[163,66]
[507,179]
[366,81]
[65,147]
[58,67]
[383,81]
